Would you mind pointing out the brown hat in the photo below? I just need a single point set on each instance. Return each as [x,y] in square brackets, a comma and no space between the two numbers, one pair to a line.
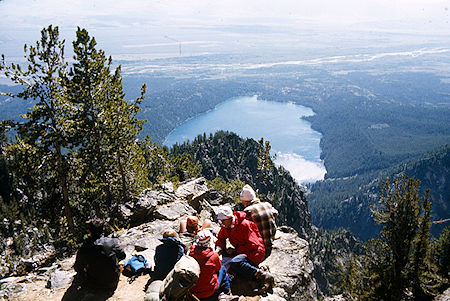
[192,222]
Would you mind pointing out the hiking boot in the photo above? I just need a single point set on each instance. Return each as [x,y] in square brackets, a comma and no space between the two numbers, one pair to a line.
[265,280]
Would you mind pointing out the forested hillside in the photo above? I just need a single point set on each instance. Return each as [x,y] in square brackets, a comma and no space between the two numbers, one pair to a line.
[346,202]
[228,157]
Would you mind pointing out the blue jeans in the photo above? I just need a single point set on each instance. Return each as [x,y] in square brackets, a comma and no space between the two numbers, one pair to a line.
[241,266]
[224,280]
[224,285]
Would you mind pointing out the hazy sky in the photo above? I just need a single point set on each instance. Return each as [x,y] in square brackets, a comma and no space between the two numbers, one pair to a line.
[157,22]
[36,13]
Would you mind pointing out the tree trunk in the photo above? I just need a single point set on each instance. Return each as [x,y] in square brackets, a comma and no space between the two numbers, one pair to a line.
[62,178]
[124,180]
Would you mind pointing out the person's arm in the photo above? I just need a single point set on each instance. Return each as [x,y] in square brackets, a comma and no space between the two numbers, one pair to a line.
[80,263]
[180,252]
[221,240]
[216,261]
[80,267]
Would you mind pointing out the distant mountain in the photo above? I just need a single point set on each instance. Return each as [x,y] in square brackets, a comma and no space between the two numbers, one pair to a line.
[345,202]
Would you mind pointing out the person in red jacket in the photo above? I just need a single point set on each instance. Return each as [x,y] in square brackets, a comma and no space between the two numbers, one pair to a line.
[213,277]
[248,246]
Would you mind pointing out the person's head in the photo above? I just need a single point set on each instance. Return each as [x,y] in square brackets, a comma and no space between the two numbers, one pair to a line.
[192,224]
[225,216]
[170,233]
[95,227]
[204,238]
[247,195]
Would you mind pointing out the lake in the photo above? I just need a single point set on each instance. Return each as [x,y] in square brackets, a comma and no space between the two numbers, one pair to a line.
[294,143]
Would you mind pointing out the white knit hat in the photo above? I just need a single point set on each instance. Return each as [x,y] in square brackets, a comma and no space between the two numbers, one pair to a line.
[247,193]
[224,212]
[204,238]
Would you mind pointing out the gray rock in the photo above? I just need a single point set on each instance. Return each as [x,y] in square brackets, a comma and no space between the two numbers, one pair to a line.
[167,187]
[193,192]
[59,278]
[12,287]
[273,297]
[173,211]
[140,209]
[192,188]
[290,265]
[10,280]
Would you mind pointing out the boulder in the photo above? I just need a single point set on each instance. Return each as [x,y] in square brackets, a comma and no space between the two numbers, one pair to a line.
[291,267]
[59,278]
[140,209]
[12,287]
[193,191]
[174,210]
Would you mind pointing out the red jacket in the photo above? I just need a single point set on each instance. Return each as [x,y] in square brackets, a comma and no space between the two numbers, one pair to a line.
[210,264]
[244,237]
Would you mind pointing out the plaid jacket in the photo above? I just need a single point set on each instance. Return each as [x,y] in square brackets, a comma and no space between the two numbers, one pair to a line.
[263,214]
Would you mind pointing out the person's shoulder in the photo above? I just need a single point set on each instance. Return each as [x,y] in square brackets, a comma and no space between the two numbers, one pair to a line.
[262,206]
[106,242]
[86,245]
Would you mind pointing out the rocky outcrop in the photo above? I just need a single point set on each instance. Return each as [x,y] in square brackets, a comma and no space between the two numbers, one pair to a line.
[23,248]
[289,261]
[140,209]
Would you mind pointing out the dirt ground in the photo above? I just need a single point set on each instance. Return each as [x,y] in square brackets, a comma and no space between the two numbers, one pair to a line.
[125,291]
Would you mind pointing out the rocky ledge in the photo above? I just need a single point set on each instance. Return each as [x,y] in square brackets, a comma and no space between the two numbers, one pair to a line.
[149,215]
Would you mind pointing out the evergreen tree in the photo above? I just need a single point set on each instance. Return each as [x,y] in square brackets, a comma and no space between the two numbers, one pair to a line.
[398,265]
[76,150]
[106,128]
[45,129]
[265,163]
[443,254]
[5,182]
[423,272]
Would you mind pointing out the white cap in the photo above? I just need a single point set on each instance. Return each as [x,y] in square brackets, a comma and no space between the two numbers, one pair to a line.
[247,193]
[204,237]
[224,212]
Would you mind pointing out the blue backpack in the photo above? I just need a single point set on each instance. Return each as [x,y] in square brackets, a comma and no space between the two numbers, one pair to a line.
[136,266]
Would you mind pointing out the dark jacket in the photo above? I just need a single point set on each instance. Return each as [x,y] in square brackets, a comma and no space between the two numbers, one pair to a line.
[96,263]
[245,238]
[166,255]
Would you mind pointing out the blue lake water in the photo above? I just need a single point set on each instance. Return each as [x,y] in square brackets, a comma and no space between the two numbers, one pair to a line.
[293,141]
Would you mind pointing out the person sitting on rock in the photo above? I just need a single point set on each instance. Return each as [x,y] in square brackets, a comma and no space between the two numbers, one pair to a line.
[167,254]
[96,265]
[248,247]
[213,278]
[262,213]
[189,229]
